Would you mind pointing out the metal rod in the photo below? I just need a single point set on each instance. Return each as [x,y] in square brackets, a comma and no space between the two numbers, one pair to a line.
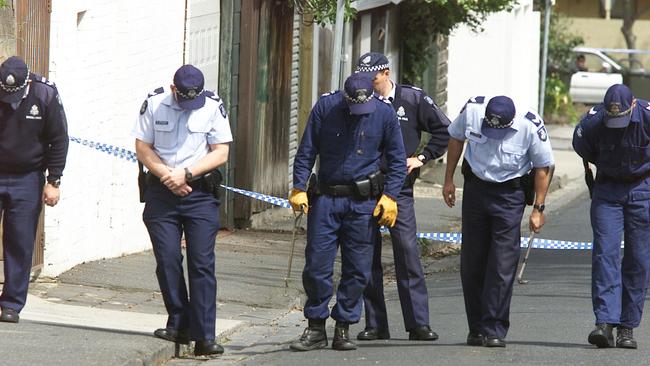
[337,51]
[296,225]
[523,264]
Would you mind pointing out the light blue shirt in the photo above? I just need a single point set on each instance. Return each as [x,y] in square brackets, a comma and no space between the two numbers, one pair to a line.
[181,137]
[527,146]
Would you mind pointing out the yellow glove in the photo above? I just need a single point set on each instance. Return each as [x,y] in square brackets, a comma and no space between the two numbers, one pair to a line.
[387,209]
[298,200]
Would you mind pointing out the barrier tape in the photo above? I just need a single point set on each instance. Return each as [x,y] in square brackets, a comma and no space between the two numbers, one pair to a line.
[454,238]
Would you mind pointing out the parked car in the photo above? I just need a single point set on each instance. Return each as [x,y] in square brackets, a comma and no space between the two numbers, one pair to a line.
[601,70]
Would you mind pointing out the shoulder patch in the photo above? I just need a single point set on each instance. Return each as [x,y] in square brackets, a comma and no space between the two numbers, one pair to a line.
[542,134]
[429,100]
[535,119]
[222,109]
[143,108]
[157,91]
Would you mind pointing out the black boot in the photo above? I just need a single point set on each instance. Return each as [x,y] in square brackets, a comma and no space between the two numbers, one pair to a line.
[314,337]
[625,338]
[207,348]
[602,336]
[341,341]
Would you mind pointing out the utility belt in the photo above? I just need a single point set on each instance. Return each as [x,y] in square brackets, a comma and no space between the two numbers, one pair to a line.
[602,178]
[209,182]
[527,182]
[370,187]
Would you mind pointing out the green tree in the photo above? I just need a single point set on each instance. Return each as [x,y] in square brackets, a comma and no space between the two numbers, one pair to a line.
[324,11]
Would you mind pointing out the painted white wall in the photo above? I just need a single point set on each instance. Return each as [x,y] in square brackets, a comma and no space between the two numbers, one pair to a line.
[104,66]
[502,60]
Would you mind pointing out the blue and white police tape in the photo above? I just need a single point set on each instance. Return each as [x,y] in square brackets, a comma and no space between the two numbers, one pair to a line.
[282,202]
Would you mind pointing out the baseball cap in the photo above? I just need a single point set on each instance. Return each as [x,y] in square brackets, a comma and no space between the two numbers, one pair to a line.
[499,117]
[619,103]
[358,93]
[14,76]
[189,84]
[372,62]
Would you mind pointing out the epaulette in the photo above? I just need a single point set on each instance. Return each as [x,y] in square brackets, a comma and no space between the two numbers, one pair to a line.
[534,118]
[412,87]
[44,80]
[329,93]
[156,92]
[212,96]
[474,100]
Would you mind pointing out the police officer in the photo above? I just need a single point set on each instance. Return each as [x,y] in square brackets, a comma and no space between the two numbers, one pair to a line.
[416,112]
[182,136]
[351,131]
[615,136]
[502,146]
[33,139]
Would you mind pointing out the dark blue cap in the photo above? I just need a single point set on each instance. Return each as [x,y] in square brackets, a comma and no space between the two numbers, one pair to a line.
[189,82]
[358,93]
[14,77]
[619,103]
[499,117]
[372,62]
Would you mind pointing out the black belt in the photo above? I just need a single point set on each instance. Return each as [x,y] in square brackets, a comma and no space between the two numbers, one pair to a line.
[601,178]
[338,190]
[512,183]
[198,183]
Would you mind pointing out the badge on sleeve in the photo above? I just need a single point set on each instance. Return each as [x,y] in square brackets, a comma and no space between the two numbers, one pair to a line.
[222,109]
[579,132]
[541,133]
[144,107]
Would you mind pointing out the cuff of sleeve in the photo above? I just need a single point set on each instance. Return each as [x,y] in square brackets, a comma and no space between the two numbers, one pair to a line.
[301,187]
[390,195]
[53,177]
[141,137]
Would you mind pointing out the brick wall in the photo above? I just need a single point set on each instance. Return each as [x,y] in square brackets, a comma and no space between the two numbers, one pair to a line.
[106,55]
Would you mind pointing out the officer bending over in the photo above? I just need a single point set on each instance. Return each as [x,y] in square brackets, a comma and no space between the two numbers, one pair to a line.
[182,136]
[33,139]
[416,112]
[502,147]
[615,136]
[351,131]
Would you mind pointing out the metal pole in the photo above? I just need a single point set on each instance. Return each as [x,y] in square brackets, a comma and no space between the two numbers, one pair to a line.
[547,25]
[338,45]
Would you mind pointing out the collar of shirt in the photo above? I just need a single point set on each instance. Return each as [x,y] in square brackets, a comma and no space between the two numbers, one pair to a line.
[391,95]
[17,104]
[169,100]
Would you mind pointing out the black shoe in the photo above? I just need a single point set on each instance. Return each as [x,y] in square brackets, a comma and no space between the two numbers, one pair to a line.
[9,315]
[493,341]
[602,336]
[372,334]
[422,333]
[625,338]
[341,340]
[475,339]
[172,335]
[207,348]
[314,337]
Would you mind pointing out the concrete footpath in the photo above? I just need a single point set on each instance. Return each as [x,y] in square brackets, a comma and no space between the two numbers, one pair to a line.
[104,312]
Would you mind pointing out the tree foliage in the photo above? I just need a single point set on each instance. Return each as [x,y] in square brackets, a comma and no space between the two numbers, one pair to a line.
[561,40]
[323,11]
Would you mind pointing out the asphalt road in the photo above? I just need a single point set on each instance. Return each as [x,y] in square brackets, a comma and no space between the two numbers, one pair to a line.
[550,319]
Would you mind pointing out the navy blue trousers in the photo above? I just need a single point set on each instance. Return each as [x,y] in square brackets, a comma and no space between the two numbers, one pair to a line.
[167,216]
[335,221]
[21,201]
[411,284]
[489,254]
[619,289]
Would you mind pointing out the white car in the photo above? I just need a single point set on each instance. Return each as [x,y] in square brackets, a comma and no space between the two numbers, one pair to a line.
[601,72]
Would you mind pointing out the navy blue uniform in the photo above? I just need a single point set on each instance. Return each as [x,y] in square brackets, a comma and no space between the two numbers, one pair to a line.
[416,112]
[619,207]
[350,148]
[33,138]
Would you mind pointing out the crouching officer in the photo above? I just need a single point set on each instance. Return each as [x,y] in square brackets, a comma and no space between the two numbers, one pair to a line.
[182,136]
[502,147]
[615,137]
[416,112]
[33,139]
[351,131]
